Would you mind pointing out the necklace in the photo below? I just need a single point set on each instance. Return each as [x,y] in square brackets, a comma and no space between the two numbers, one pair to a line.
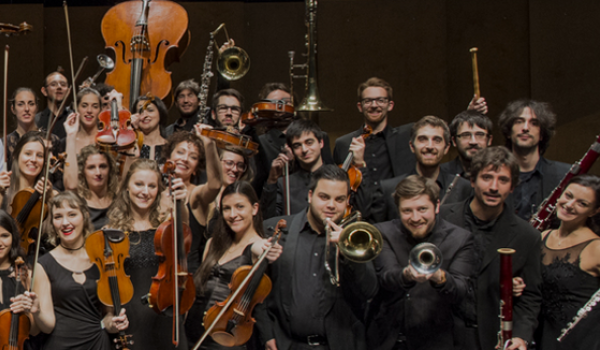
[73,249]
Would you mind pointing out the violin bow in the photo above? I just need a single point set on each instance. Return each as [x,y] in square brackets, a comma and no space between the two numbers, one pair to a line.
[4,164]
[70,54]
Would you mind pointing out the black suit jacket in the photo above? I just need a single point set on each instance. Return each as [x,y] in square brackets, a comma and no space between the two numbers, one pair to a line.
[383,207]
[454,167]
[343,328]
[400,156]
[271,200]
[420,311]
[509,231]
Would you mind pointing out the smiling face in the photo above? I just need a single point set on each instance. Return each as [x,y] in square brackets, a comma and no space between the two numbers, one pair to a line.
[526,130]
[96,171]
[143,189]
[238,212]
[69,224]
[5,245]
[233,166]
[24,108]
[88,109]
[491,186]
[375,105]
[307,149]
[418,215]
[186,157]
[328,200]
[429,145]
[31,160]
[149,118]
[471,139]
[187,103]
[576,204]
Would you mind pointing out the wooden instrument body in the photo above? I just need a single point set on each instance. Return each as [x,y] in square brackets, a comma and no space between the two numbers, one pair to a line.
[26,210]
[114,131]
[7,320]
[268,111]
[227,140]
[167,26]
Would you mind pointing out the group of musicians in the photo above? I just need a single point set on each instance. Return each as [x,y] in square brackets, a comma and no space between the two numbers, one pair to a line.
[468,208]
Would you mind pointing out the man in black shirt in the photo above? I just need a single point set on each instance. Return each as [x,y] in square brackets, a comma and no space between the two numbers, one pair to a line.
[55,89]
[470,132]
[305,310]
[488,215]
[527,127]
[187,103]
[414,309]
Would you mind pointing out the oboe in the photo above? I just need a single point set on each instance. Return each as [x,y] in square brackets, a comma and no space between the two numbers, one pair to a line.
[581,314]
[205,80]
[541,218]
[506,302]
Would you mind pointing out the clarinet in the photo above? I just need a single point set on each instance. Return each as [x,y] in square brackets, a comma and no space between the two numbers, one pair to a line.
[205,80]
[541,218]
[450,187]
[506,302]
[581,314]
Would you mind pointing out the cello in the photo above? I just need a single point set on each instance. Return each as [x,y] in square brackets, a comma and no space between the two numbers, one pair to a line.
[108,249]
[173,286]
[14,328]
[146,36]
[230,322]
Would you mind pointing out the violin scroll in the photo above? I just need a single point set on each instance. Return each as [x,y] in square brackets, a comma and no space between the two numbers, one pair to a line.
[10,29]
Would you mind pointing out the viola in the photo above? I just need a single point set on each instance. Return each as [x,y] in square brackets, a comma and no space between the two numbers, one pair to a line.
[146,37]
[14,328]
[229,140]
[173,286]
[108,249]
[269,111]
[27,208]
[230,322]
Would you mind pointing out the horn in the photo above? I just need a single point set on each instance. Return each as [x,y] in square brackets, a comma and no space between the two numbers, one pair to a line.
[426,258]
[233,62]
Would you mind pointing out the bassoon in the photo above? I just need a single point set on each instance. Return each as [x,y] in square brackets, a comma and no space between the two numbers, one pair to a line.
[541,218]
[506,302]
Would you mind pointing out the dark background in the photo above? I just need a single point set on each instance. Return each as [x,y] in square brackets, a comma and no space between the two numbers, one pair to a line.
[539,49]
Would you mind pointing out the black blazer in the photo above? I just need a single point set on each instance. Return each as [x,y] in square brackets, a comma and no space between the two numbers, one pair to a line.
[400,155]
[422,312]
[343,328]
[509,231]
[454,167]
[384,208]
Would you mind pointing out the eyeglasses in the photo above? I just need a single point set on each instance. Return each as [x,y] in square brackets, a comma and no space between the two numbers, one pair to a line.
[55,84]
[381,101]
[241,166]
[224,108]
[479,136]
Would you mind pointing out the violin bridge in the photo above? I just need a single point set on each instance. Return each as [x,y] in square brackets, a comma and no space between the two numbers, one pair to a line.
[241,314]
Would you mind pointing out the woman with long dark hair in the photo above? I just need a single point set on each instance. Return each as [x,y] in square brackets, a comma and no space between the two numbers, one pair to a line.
[238,239]
[571,267]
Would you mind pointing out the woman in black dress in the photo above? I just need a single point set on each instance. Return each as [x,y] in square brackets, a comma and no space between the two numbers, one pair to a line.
[10,250]
[238,240]
[65,301]
[137,210]
[571,267]
[149,123]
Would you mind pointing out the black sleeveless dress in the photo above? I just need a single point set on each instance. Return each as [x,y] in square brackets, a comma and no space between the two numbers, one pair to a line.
[566,288]
[198,242]
[217,289]
[149,329]
[76,307]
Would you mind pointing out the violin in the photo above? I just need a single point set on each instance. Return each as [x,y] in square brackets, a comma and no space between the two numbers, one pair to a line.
[11,29]
[108,249]
[114,130]
[354,174]
[269,111]
[14,328]
[27,209]
[173,286]
[229,140]
[230,322]
[146,37]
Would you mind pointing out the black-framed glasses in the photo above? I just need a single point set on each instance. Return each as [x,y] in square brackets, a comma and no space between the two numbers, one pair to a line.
[241,166]
[381,101]
[224,108]
[479,136]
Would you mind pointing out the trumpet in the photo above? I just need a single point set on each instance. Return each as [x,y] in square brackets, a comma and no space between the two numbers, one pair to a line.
[426,258]
[359,241]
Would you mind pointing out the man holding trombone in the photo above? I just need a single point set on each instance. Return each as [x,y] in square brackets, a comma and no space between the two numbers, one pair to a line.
[422,271]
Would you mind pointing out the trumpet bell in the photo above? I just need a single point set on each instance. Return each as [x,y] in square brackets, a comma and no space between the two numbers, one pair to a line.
[426,258]
[233,63]
[360,242]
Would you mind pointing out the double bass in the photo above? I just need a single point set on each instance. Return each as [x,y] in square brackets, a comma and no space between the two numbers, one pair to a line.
[146,37]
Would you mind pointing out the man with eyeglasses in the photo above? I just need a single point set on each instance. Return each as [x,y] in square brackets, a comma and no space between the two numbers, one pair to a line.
[527,127]
[387,153]
[471,132]
[55,89]
[227,108]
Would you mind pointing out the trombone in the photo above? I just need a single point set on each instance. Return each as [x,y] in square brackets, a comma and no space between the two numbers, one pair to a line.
[233,63]
[359,241]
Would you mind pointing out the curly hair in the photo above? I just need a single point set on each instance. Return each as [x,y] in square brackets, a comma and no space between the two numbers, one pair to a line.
[543,112]
[496,156]
[113,175]
[184,136]
[119,213]
[74,201]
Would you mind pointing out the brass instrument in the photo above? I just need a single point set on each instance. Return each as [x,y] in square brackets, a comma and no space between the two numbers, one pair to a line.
[359,241]
[312,101]
[426,258]
[233,63]
[105,62]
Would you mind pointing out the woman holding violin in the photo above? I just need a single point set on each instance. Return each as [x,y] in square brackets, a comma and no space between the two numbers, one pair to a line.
[238,239]
[137,211]
[66,304]
[95,179]
[82,127]
[148,121]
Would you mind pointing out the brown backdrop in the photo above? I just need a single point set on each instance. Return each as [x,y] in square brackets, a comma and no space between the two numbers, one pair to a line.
[539,49]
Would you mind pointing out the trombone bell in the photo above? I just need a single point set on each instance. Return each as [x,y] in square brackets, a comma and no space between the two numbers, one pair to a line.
[233,63]
[360,242]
